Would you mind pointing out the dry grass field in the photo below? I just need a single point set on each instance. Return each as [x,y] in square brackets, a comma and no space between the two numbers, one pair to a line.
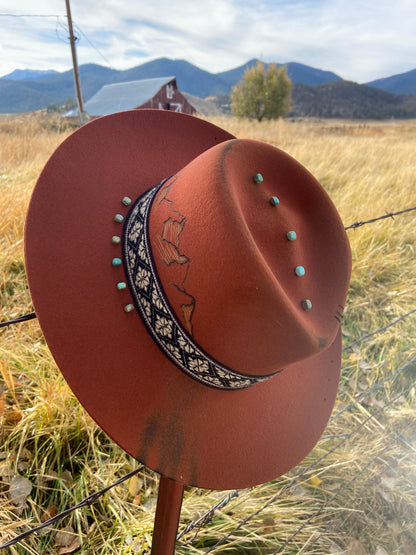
[354,494]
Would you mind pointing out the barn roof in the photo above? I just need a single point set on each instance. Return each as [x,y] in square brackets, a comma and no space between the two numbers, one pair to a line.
[118,97]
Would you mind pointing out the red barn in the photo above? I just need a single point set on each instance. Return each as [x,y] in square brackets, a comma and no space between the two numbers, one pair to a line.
[160,93]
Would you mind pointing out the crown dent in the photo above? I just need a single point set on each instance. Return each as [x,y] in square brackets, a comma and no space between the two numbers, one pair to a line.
[209,214]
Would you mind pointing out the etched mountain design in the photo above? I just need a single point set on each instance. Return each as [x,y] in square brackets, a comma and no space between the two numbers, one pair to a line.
[167,245]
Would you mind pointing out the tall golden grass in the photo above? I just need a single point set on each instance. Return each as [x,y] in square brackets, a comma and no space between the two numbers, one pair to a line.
[355,493]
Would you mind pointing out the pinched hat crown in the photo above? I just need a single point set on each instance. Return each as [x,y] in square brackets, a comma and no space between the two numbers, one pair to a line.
[238,264]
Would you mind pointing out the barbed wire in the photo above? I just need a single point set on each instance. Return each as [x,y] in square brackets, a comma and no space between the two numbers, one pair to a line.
[84,503]
[352,226]
[19,319]
[208,516]
[342,488]
[32,315]
[409,364]
[344,436]
[374,479]
[310,467]
[380,330]
[389,215]
[404,367]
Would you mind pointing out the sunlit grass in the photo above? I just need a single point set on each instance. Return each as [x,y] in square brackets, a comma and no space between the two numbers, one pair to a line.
[368,170]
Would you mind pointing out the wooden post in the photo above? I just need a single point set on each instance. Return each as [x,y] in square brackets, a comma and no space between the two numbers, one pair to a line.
[72,40]
[168,511]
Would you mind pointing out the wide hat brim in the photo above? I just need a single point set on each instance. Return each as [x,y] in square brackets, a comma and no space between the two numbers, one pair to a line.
[194,434]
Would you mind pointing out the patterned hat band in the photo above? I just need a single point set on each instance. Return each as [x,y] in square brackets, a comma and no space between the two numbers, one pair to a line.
[156,312]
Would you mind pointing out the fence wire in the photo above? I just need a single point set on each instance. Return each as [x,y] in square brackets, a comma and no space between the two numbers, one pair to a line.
[32,315]
[207,517]
[18,320]
[84,503]
[307,470]
[333,524]
[389,215]
[342,488]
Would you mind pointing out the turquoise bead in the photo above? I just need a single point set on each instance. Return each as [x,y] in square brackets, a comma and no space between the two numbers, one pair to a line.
[118,218]
[126,201]
[274,201]
[306,304]
[291,235]
[121,285]
[129,307]
[300,271]
[116,262]
[258,178]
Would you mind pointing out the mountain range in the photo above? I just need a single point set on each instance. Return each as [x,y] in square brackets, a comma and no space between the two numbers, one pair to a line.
[29,90]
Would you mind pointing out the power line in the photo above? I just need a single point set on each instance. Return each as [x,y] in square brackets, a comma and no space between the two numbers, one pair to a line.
[29,15]
[59,19]
[78,28]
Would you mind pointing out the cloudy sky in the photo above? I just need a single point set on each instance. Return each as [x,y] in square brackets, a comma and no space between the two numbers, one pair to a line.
[360,40]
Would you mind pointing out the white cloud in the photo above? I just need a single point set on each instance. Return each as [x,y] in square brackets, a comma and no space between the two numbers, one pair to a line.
[358,39]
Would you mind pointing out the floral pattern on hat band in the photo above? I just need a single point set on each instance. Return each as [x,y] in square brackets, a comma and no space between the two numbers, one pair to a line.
[156,313]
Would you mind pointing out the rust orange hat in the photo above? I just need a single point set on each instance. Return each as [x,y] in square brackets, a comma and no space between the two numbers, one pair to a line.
[190,286]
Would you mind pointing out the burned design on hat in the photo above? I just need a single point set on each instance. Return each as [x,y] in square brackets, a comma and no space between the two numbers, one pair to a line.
[167,243]
[157,314]
[339,313]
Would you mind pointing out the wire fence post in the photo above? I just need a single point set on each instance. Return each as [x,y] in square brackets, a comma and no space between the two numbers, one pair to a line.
[168,511]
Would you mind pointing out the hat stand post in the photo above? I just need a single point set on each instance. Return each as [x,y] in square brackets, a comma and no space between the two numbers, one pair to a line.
[168,511]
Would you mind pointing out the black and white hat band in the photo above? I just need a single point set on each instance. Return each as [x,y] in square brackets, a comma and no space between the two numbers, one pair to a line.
[156,312]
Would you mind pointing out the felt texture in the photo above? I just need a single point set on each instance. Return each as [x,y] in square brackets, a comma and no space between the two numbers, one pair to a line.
[240,301]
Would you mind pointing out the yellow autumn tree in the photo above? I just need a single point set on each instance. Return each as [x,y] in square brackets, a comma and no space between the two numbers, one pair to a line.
[262,93]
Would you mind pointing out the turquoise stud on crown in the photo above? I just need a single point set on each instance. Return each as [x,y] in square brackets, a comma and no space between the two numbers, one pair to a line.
[306,304]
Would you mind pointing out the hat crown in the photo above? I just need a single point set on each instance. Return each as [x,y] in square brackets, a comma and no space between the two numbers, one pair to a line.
[234,281]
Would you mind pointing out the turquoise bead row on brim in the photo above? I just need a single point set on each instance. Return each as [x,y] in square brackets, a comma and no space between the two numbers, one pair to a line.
[116,240]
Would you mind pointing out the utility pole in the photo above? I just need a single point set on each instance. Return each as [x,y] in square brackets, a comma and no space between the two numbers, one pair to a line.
[72,40]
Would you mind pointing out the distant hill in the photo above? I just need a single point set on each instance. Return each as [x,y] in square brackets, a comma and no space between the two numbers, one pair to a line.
[298,73]
[345,99]
[316,93]
[29,74]
[36,91]
[404,83]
